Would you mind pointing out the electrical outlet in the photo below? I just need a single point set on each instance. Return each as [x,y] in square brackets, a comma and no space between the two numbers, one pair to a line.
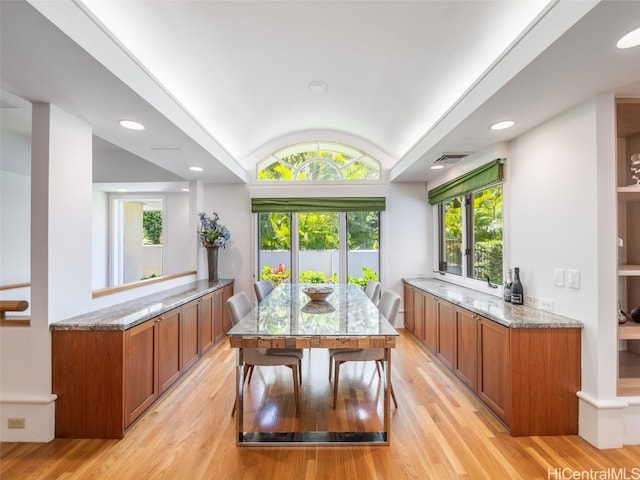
[15,423]
[546,304]
[531,301]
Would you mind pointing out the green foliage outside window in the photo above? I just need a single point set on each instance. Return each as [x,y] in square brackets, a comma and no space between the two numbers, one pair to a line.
[367,274]
[152,227]
[311,276]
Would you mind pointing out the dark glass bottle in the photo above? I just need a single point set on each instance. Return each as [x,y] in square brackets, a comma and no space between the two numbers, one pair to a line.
[506,291]
[517,292]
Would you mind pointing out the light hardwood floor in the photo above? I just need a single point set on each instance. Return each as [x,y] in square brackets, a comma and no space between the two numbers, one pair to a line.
[439,431]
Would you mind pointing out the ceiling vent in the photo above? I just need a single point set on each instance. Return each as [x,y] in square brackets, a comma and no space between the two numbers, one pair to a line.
[449,158]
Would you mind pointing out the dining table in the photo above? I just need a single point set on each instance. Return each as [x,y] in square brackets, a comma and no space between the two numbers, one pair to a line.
[288,318]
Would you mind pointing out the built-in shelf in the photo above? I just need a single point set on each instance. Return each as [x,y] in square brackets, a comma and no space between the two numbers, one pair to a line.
[629,331]
[629,270]
[628,232]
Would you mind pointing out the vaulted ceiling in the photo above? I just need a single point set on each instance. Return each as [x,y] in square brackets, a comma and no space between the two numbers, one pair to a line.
[220,84]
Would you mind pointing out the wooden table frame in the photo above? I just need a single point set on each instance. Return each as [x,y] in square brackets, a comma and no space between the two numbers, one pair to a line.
[314,437]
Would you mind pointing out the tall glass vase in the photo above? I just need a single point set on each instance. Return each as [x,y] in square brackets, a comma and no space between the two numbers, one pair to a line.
[212,262]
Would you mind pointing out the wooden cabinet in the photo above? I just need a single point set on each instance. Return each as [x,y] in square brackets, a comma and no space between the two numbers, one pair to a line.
[221,318]
[528,377]
[169,365]
[106,379]
[465,364]
[227,293]
[408,307]
[141,381]
[205,323]
[446,344]
[418,314]
[493,367]
[430,322]
[628,143]
[189,342]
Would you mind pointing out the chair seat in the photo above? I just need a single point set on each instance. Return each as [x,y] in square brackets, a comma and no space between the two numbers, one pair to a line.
[260,357]
[358,355]
[295,352]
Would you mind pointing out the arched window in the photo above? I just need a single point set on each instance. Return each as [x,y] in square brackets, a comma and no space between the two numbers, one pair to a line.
[318,162]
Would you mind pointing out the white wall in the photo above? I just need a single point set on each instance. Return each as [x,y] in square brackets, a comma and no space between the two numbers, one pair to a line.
[561,205]
[406,237]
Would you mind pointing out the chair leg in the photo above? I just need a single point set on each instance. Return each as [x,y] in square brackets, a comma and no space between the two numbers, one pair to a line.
[335,381]
[330,366]
[300,370]
[294,369]
[250,369]
[378,363]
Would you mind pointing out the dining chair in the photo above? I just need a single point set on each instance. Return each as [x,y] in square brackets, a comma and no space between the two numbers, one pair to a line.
[239,307]
[389,305]
[372,290]
[263,288]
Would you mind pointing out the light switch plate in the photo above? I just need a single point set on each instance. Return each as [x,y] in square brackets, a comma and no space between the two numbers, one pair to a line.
[573,278]
[558,277]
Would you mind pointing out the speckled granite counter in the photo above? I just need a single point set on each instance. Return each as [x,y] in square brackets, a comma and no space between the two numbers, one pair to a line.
[493,308]
[133,312]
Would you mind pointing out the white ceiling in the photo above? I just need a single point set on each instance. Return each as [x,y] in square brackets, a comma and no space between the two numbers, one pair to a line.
[220,84]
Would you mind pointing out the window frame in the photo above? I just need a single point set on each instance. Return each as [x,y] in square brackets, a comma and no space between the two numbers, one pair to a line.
[468,238]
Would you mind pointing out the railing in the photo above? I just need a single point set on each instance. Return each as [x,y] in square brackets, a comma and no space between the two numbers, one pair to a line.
[13,306]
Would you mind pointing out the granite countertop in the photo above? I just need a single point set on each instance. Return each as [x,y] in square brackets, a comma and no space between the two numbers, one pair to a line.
[125,315]
[491,307]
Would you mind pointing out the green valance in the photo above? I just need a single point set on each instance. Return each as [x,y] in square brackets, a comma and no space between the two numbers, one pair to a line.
[330,204]
[483,176]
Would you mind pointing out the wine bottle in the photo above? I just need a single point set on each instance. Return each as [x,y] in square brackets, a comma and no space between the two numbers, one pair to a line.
[506,291]
[517,292]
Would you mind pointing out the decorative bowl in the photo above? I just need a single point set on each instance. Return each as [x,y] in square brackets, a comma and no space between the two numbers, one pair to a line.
[317,294]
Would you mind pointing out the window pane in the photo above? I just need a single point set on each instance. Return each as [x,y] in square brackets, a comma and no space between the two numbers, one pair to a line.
[319,244]
[274,251]
[487,234]
[363,256]
[453,235]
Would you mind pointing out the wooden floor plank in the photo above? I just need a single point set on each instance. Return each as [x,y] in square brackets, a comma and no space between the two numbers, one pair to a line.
[439,431]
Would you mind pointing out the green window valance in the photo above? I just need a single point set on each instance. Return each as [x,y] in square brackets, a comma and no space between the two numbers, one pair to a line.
[329,204]
[480,177]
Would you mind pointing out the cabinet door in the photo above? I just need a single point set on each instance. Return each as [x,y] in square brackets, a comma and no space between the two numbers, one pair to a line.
[189,347]
[227,293]
[408,307]
[141,369]
[493,377]
[466,354]
[446,333]
[169,348]
[418,314]
[205,323]
[218,315]
[430,322]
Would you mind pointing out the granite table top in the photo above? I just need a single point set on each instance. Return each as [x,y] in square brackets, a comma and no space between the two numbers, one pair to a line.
[128,314]
[288,312]
[491,307]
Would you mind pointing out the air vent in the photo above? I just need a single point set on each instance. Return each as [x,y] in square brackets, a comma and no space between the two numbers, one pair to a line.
[449,158]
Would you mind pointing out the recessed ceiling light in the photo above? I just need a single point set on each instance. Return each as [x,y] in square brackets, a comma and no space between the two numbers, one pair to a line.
[197,169]
[502,125]
[184,189]
[121,189]
[436,167]
[631,39]
[318,86]
[132,124]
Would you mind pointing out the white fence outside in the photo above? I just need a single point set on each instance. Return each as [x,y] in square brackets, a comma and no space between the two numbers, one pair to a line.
[327,261]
